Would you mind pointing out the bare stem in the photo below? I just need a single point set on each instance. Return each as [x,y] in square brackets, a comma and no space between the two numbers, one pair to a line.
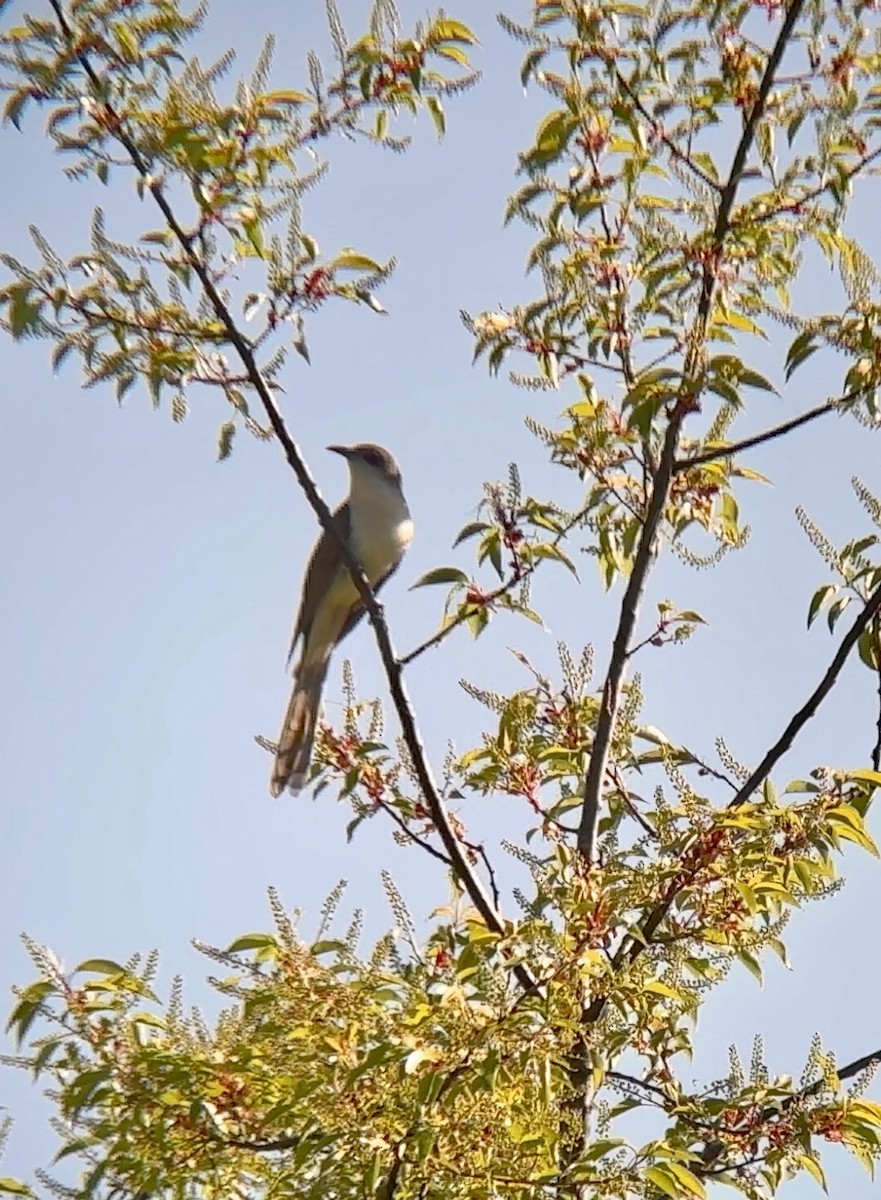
[729,450]
[489,599]
[816,698]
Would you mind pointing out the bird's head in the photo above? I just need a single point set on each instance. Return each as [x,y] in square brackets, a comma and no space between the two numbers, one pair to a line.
[369,463]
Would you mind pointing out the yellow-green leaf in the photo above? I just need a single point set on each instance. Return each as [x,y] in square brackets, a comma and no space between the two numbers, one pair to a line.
[446,30]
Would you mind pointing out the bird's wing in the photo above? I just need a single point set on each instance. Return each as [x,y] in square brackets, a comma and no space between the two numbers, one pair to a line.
[358,608]
[322,564]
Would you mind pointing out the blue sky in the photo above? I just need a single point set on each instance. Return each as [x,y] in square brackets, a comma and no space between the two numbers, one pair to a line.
[148,592]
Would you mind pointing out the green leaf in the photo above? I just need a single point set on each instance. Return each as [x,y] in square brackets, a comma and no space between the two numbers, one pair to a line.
[285,97]
[549,550]
[225,439]
[448,50]
[477,621]
[751,963]
[553,135]
[688,1179]
[15,106]
[867,648]
[14,1187]
[446,30]
[664,1181]
[800,351]
[440,575]
[22,1018]
[754,379]
[849,825]
[836,610]
[147,1018]
[662,989]
[436,110]
[819,599]
[128,43]
[23,313]
[531,63]
[102,966]
[814,1169]
[251,941]
[42,1057]
[469,531]
[310,247]
[83,1089]
[350,261]
[123,384]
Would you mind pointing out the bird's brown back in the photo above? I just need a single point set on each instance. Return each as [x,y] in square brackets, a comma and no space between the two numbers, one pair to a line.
[322,564]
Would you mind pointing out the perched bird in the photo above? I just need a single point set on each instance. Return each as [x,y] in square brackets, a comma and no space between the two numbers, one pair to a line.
[375,521]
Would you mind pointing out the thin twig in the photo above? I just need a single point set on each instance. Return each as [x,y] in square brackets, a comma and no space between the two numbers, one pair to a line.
[776,431]
[655,126]
[705,769]
[876,751]
[657,632]
[410,835]
[489,599]
[479,849]
[816,698]
[849,1071]
[283,1143]
[439,815]
[815,193]
[649,830]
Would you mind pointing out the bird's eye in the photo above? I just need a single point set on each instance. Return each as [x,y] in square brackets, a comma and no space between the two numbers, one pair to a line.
[372,457]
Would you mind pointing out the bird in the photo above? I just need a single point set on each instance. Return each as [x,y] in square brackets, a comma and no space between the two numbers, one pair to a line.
[375,521]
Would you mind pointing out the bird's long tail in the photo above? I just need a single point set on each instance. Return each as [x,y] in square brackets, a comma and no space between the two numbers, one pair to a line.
[298,730]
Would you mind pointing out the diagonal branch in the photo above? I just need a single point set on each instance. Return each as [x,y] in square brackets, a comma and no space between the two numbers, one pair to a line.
[730,449]
[490,598]
[674,151]
[461,868]
[816,698]
[815,193]
[714,1149]
[630,950]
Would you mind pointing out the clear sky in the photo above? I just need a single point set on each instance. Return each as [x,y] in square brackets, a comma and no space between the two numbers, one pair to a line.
[147,592]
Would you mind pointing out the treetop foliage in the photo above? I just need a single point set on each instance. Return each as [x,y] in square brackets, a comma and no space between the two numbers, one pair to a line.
[535,1044]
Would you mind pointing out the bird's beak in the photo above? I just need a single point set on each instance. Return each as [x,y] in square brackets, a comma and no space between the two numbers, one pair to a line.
[346,451]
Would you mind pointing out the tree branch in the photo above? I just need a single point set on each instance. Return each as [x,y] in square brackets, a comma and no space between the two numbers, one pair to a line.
[596,771]
[675,153]
[461,868]
[816,698]
[490,597]
[759,439]
[815,193]
[590,813]
[630,951]
[849,1071]
[876,749]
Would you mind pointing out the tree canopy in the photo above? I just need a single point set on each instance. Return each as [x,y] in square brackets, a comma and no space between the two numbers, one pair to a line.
[535,1040]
